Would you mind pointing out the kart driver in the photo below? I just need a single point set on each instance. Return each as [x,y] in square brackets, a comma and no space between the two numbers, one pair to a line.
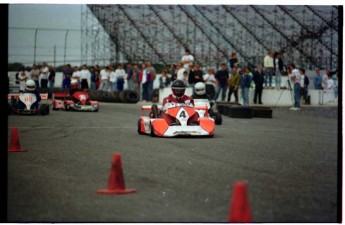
[73,88]
[30,87]
[200,91]
[178,88]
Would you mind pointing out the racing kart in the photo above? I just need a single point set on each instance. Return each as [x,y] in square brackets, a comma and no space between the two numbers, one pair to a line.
[23,104]
[175,121]
[79,101]
[203,105]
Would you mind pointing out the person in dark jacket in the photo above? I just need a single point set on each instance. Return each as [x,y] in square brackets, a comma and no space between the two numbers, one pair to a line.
[278,68]
[222,77]
[245,85]
[259,79]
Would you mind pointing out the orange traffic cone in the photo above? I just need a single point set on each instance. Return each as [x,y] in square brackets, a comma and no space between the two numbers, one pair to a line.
[239,208]
[116,183]
[14,144]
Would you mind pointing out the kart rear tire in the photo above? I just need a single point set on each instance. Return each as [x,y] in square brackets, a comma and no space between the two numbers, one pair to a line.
[67,107]
[154,110]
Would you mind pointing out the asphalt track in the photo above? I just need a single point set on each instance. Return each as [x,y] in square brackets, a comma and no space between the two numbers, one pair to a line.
[289,163]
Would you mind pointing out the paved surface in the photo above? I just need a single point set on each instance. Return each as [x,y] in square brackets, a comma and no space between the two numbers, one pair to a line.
[289,163]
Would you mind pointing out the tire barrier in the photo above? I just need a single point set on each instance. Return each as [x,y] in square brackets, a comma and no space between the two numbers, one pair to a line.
[262,112]
[238,111]
[126,96]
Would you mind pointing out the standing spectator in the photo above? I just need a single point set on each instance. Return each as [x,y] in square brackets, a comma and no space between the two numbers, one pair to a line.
[180,70]
[296,80]
[129,72]
[98,73]
[210,82]
[104,74]
[222,77]
[23,76]
[187,59]
[51,77]
[136,72]
[245,85]
[34,74]
[325,80]
[234,83]
[67,74]
[145,79]
[120,74]
[185,78]
[268,64]
[76,75]
[278,69]
[304,85]
[44,71]
[152,73]
[85,77]
[233,61]
[330,82]
[94,78]
[173,72]
[318,80]
[259,80]
[195,76]
[335,81]
[112,79]
[164,80]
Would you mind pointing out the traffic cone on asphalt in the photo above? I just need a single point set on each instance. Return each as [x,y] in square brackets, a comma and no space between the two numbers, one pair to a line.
[116,183]
[239,208]
[14,144]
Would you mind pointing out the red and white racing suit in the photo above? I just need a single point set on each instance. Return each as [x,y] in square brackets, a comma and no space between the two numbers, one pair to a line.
[184,100]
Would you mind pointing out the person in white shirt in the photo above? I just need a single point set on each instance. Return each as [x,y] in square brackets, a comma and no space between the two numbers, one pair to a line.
[44,75]
[187,59]
[180,71]
[330,83]
[23,76]
[269,65]
[296,79]
[325,80]
[34,75]
[210,82]
[104,74]
[85,77]
[120,74]
[112,79]
[76,74]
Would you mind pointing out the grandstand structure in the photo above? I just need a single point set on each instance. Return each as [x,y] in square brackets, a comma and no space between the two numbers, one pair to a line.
[307,35]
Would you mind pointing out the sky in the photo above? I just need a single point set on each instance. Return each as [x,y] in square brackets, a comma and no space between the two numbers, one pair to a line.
[42,17]
[66,15]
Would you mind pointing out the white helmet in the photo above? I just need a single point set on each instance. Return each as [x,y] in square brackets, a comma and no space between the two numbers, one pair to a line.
[200,88]
[74,84]
[30,85]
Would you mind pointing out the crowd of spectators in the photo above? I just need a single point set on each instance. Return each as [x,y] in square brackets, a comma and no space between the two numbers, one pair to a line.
[227,79]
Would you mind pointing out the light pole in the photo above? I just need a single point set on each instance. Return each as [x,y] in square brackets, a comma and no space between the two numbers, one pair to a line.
[64,55]
[35,46]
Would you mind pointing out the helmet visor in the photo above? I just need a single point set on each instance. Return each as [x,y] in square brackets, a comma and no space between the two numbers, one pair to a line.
[178,91]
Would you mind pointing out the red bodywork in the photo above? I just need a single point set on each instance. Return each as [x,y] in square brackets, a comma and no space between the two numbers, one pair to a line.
[79,101]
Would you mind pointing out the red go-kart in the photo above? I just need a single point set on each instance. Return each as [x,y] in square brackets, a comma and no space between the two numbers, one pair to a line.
[79,101]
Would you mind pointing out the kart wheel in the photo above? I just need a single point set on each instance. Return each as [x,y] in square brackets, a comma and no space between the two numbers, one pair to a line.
[218,119]
[44,109]
[154,110]
[66,107]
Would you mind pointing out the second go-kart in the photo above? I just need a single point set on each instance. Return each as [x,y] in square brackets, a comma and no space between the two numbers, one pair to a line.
[79,101]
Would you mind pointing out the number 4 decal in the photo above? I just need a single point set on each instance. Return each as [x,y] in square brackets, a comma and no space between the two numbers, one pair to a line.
[183,114]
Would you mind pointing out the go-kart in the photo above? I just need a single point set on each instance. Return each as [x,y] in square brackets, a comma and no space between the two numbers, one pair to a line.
[23,104]
[202,104]
[177,120]
[79,101]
